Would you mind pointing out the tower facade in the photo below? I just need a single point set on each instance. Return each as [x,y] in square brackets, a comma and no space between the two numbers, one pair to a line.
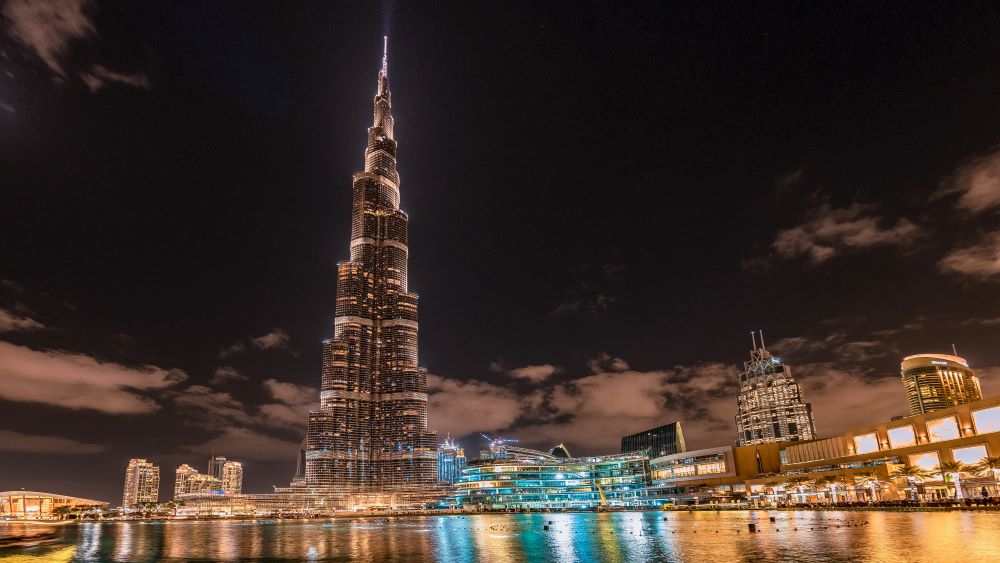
[370,432]
[770,404]
[938,381]
[451,461]
[142,483]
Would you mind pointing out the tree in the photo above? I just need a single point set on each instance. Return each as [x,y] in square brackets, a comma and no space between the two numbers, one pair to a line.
[989,465]
[799,482]
[913,474]
[829,483]
[952,471]
[871,480]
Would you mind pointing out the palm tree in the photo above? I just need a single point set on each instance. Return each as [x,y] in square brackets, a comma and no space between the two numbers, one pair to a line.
[952,471]
[990,465]
[871,480]
[799,482]
[829,482]
[913,475]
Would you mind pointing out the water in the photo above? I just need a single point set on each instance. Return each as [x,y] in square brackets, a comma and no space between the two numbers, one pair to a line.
[585,537]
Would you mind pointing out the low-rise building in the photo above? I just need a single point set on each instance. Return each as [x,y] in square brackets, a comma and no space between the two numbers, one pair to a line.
[36,505]
[859,465]
[712,475]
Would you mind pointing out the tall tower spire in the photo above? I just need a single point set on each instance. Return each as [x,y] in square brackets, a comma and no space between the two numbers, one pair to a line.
[370,432]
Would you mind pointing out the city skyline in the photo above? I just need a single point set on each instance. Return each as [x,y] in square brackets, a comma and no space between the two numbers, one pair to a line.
[165,298]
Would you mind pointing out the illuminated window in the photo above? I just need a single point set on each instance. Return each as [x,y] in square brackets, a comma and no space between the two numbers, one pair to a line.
[902,437]
[709,468]
[927,460]
[986,420]
[970,455]
[866,443]
[942,429]
[684,471]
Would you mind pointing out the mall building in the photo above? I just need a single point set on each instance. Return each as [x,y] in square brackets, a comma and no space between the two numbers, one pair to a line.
[859,464]
[35,505]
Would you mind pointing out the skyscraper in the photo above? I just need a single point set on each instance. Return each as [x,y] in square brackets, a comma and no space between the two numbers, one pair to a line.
[142,483]
[370,432]
[451,461]
[770,405]
[232,477]
[660,441]
[187,480]
[215,464]
[938,381]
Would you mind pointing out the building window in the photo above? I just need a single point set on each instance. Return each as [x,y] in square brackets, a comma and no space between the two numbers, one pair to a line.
[986,420]
[926,461]
[970,455]
[902,437]
[942,429]
[866,443]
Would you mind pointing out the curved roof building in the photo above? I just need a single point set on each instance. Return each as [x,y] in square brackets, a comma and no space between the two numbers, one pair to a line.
[938,381]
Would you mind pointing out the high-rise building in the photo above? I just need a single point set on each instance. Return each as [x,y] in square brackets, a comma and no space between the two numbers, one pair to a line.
[370,432]
[232,477]
[187,480]
[181,476]
[770,404]
[660,441]
[938,381]
[142,483]
[215,464]
[451,461]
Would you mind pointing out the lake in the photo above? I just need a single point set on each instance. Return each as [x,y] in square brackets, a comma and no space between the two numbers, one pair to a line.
[587,537]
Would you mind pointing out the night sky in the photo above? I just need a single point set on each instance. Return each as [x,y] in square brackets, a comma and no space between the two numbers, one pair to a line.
[605,199]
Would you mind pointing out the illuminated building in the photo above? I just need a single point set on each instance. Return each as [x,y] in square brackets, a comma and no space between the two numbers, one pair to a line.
[770,404]
[215,464]
[34,505]
[188,481]
[521,478]
[662,440]
[938,381]
[142,483]
[232,477]
[712,475]
[370,432]
[965,433]
[451,461]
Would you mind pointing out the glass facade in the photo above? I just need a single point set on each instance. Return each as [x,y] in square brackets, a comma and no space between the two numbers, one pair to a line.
[866,443]
[941,429]
[370,433]
[770,404]
[902,437]
[660,441]
[986,420]
[938,381]
[451,461]
[549,482]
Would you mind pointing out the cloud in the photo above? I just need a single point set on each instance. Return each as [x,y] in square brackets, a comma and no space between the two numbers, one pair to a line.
[206,405]
[591,292]
[603,361]
[226,374]
[828,231]
[532,373]
[464,407]
[848,397]
[977,183]
[100,76]
[26,443]
[293,406]
[277,339]
[586,305]
[78,381]
[980,261]
[49,28]
[245,443]
[9,322]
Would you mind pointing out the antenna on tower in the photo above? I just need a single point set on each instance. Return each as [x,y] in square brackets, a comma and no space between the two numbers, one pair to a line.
[385,54]
[753,338]
[953,350]
[762,347]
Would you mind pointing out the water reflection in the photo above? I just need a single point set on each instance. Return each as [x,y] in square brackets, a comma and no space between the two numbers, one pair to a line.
[615,537]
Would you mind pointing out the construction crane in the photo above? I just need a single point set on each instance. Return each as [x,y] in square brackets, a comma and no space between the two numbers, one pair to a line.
[600,490]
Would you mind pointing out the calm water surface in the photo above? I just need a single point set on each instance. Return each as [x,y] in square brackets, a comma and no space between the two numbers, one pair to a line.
[649,536]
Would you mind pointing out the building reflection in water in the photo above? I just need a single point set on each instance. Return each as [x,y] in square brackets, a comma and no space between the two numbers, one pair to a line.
[614,537]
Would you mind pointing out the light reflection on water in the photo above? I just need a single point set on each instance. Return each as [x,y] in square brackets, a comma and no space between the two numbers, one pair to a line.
[588,537]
